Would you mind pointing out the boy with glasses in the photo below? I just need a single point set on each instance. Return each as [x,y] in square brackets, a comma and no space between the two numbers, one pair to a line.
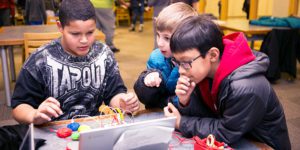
[229,78]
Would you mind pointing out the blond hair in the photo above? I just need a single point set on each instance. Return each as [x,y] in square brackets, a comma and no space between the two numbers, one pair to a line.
[172,15]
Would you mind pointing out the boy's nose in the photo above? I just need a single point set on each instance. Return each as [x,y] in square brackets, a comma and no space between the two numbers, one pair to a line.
[159,42]
[181,70]
[83,39]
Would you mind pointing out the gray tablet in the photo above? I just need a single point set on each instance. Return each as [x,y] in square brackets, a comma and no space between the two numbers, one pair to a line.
[148,134]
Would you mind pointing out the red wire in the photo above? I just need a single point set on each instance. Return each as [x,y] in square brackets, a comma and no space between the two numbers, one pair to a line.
[52,130]
[182,140]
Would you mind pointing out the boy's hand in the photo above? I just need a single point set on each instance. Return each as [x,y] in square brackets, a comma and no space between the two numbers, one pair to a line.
[129,102]
[48,109]
[152,79]
[184,88]
[170,111]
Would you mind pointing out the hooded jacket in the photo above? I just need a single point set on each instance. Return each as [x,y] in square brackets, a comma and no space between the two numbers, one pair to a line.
[241,97]
[157,96]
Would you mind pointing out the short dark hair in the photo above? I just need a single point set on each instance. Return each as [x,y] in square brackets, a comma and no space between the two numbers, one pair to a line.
[197,32]
[71,10]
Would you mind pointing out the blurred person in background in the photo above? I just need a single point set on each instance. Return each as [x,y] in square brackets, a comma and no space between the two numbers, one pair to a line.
[137,8]
[157,5]
[193,3]
[105,18]
[35,12]
[7,12]
[51,7]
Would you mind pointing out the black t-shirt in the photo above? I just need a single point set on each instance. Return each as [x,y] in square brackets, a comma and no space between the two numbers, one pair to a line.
[80,84]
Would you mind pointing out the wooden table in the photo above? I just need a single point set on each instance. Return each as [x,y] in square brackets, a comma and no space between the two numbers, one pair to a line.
[242,25]
[252,32]
[14,35]
[53,142]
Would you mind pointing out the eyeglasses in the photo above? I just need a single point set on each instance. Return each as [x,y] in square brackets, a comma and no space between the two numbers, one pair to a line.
[186,65]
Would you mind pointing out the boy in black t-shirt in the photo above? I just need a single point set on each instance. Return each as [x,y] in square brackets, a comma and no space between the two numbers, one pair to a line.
[72,75]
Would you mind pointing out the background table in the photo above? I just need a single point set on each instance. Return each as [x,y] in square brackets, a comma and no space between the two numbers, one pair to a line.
[242,25]
[252,32]
[14,35]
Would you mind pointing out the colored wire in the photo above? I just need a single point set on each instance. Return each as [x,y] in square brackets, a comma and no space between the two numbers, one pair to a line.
[181,140]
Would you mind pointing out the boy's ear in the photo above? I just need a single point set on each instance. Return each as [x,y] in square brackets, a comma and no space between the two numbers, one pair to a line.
[59,26]
[214,54]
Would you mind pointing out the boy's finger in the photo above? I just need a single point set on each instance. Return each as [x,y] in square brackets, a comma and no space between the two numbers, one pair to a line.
[153,83]
[148,80]
[148,83]
[192,87]
[135,108]
[55,108]
[171,106]
[124,98]
[130,98]
[180,92]
[158,81]
[131,95]
[193,84]
[45,117]
[54,101]
[166,111]
[183,77]
[51,112]
[152,78]
[132,101]
[183,87]
[184,81]
[133,104]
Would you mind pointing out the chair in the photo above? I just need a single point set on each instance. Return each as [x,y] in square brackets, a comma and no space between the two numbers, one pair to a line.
[148,15]
[51,20]
[122,14]
[99,35]
[19,19]
[34,40]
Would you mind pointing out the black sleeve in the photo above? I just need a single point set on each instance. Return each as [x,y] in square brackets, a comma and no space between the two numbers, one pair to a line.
[241,113]
[196,107]
[27,90]
[12,136]
[151,96]
[113,83]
